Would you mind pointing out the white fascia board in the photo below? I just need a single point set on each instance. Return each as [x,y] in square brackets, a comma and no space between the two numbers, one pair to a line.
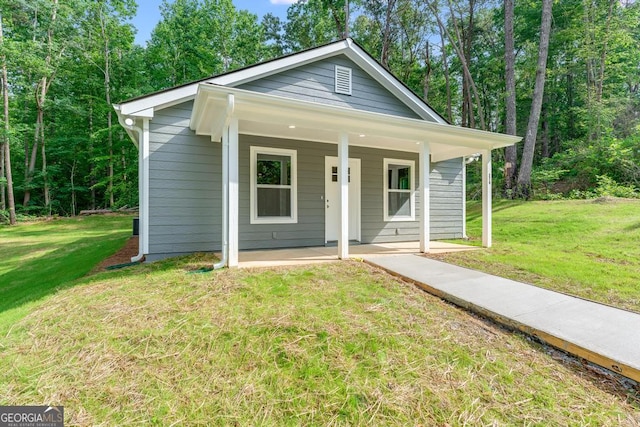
[391,83]
[160,100]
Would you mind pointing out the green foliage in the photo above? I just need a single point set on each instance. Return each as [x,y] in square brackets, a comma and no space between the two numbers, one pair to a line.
[590,121]
[607,187]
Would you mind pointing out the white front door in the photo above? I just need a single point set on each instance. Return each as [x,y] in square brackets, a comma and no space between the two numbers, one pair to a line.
[332,199]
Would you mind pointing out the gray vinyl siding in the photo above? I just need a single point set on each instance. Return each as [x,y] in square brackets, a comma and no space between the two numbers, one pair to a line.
[185,196]
[184,186]
[446,198]
[309,230]
[445,191]
[315,82]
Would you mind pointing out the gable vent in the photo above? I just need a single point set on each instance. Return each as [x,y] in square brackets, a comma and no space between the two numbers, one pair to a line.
[343,80]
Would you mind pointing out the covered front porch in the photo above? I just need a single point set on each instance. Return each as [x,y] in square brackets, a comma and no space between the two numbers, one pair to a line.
[224,113]
[323,254]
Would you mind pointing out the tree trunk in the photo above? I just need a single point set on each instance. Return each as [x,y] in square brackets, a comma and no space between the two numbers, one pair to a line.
[511,152]
[545,132]
[41,95]
[445,64]
[73,188]
[91,157]
[28,175]
[107,91]
[3,193]
[40,126]
[463,61]
[524,176]
[427,75]
[386,35]
[6,146]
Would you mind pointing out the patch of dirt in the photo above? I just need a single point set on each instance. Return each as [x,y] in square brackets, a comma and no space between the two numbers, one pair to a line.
[123,256]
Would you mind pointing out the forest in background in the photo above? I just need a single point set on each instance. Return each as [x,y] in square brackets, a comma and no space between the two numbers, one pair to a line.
[564,74]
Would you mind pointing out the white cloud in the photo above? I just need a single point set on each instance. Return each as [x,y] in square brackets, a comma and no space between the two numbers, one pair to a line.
[283,1]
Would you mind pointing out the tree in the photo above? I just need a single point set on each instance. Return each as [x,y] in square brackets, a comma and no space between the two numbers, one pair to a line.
[524,175]
[459,44]
[511,153]
[6,146]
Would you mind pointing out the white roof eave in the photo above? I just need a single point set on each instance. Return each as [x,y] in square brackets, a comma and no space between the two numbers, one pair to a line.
[211,99]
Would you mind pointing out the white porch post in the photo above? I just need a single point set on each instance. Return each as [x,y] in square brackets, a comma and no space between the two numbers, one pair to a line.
[464,198]
[425,214]
[486,198]
[233,193]
[343,180]
[143,226]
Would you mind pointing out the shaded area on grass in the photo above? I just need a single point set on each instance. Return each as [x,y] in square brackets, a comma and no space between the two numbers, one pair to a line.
[39,259]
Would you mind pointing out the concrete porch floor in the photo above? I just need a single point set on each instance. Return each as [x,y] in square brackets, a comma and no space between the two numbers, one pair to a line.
[320,254]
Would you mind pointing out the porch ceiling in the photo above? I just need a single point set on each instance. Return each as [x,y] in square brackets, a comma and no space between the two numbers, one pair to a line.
[275,116]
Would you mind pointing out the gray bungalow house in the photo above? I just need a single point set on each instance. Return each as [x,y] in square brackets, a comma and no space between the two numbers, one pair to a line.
[320,147]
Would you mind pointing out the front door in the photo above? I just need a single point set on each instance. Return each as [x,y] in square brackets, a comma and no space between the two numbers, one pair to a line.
[332,199]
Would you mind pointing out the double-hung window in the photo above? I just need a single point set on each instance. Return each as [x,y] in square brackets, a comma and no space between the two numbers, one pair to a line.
[399,190]
[273,186]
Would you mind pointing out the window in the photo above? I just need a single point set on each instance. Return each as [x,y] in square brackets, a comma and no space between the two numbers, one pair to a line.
[273,186]
[399,186]
[343,80]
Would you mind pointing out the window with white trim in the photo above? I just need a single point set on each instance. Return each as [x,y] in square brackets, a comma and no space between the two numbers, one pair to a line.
[273,191]
[399,190]
[343,80]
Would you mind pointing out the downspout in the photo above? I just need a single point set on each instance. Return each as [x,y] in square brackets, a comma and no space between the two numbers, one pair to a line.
[225,183]
[125,125]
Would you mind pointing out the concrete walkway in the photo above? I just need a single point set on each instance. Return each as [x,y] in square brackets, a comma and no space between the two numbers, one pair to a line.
[604,335]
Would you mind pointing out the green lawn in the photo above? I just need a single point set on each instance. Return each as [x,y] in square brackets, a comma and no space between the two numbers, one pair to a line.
[37,259]
[334,344]
[585,248]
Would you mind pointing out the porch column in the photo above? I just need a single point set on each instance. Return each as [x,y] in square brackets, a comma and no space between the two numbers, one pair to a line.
[233,193]
[343,180]
[143,230]
[425,214]
[486,198]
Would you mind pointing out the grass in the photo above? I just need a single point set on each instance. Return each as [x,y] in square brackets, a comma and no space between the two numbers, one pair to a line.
[587,248]
[37,259]
[334,344]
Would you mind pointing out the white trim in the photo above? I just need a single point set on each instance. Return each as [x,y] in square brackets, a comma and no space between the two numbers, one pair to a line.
[253,200]
[486,198]
[343,182]
[343,80]
[425,197]
[144,198]
[411,191]
[464,198]
[234,193]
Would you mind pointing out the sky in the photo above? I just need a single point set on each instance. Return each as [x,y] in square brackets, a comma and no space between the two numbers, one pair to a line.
[149,13]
